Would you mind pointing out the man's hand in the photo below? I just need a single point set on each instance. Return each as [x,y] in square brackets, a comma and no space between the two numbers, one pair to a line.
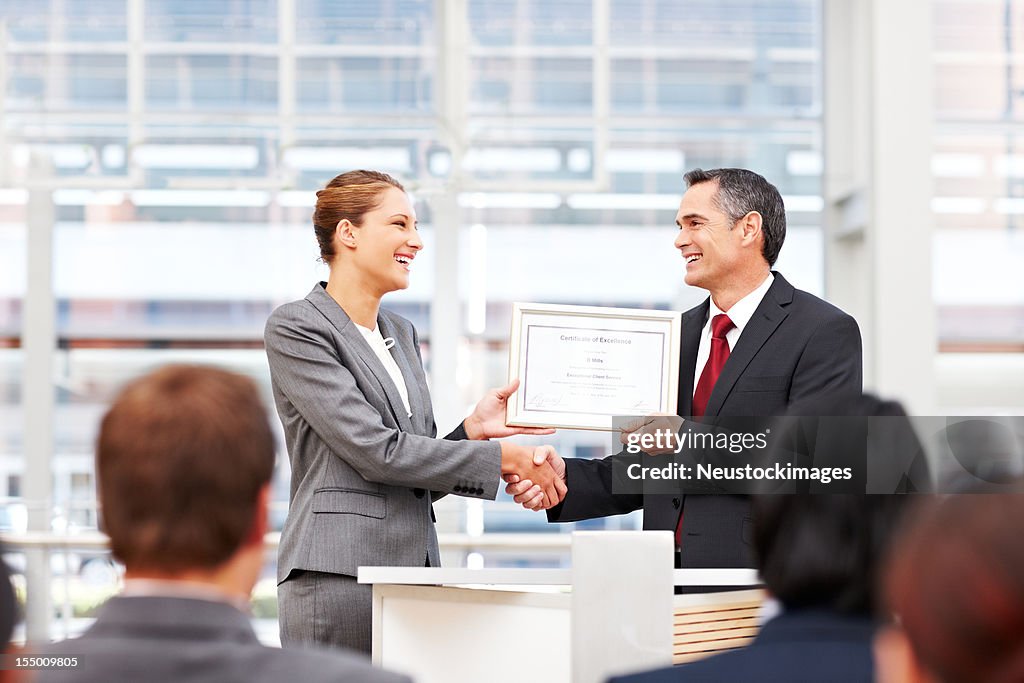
[530,495]
[488,418]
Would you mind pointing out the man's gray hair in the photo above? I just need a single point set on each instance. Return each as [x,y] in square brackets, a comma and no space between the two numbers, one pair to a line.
[741,191]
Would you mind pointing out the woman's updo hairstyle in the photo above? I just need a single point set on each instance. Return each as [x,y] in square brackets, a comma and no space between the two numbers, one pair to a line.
[350,195]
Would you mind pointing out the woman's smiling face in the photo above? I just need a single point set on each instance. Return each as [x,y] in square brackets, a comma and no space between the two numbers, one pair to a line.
[385,243]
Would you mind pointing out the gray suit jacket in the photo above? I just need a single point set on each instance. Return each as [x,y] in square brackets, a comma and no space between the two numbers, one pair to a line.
[361,467]
[180,639]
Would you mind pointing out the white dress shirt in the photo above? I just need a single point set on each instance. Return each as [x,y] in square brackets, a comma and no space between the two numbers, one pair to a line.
[382,349]
[740,314]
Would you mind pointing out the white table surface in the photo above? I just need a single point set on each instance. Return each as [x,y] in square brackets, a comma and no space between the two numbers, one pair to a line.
[441,576]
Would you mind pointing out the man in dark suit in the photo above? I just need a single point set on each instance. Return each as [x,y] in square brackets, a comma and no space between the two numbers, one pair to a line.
[184,461]
[753,348]
[820,557]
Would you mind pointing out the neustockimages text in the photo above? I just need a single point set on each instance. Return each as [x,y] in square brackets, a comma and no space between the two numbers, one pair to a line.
[717,443]
[777,472]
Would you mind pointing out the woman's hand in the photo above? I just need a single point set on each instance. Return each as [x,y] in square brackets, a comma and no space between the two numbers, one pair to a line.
[488,418]
[539,471]
[531,496]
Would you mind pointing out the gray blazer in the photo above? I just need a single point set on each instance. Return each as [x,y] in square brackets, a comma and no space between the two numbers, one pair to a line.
[180,639]
[361,467]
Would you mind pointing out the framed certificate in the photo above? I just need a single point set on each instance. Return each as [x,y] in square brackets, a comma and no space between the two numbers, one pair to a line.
[580,365]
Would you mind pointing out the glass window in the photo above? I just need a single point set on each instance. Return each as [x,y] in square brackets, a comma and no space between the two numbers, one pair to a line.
[360,84]
[211,21]
[224,82]
[506,22]
[394,23]
[978,171]
[53,82]
[606,239]
[180,229]
[540,84]
[73,21]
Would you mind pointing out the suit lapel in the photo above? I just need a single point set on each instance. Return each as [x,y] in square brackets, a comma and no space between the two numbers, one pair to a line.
[402,352]
[767,317]
[693,323]
[355,341]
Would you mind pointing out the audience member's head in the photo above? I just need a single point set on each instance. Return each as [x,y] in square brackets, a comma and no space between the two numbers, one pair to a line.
[9,615]
[184,460]
[985,455]
[9,612]
[872,436]
[823,551]
[955,585]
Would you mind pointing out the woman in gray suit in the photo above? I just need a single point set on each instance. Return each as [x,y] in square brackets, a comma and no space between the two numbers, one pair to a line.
[352,396]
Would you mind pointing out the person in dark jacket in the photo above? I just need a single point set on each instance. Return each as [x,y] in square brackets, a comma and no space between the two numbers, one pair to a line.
[818,556]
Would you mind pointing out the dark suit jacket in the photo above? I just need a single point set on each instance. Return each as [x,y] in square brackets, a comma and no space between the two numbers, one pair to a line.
[811,646]
[795,346]
[180,639]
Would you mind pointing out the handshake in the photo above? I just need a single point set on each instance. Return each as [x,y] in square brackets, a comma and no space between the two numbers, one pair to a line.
[535,477]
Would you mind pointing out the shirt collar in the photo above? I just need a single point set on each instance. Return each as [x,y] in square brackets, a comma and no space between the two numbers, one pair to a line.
[743,310]
[367,332]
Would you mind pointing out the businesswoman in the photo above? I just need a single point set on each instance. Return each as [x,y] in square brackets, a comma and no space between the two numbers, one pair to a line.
[351,393]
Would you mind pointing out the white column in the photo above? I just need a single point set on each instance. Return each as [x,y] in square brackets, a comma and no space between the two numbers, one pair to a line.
[877,185]
[38,340]
[286,102]
[135,19]
[286,74]
[5,154]
[451,94]
[601,21]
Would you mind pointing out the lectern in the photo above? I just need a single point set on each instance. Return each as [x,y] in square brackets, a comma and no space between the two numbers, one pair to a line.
[614,611]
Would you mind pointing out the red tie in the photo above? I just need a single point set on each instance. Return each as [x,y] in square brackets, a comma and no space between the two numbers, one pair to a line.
[720,326]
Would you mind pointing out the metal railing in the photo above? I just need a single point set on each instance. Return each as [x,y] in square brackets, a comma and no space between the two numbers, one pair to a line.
[94,540]
[40,548]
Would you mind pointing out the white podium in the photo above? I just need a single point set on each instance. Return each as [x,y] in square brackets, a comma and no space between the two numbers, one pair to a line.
[614,612]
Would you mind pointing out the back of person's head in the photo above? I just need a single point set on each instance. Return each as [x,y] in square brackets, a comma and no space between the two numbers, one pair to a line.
[182,457]
[955,584]
[856,405]
[870,435]
[9,616]
[824,551]
[9,611]
[985,455]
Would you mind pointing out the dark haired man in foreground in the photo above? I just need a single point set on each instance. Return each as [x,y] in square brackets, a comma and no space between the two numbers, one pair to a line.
[184,461]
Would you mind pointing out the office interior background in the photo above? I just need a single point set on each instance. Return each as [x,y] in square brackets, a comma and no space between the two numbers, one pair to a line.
[159,158]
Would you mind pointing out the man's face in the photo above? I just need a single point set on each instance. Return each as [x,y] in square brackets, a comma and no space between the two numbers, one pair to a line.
[710,247]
